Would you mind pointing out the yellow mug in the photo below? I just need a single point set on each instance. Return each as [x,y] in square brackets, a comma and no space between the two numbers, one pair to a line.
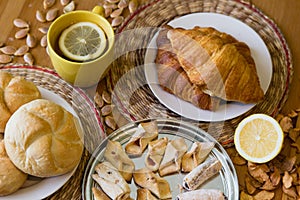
[82,74]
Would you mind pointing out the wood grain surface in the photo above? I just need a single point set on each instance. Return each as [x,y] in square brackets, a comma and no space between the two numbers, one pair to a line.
[284,13]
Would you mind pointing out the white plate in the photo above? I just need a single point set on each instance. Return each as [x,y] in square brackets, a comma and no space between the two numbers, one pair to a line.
[44,187]
[226,24]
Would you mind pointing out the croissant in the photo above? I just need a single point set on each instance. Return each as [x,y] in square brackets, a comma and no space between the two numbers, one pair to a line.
[218,63]
[173,79]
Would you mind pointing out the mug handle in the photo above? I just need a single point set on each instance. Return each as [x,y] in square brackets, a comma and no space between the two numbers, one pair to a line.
[99,10]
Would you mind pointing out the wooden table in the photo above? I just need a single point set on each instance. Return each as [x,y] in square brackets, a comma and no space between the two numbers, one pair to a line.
[285,15]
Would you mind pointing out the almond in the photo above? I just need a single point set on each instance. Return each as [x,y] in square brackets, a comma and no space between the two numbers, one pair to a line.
[8,50]
[21,33]
[20,23]
[28,58]
[48,3]
[51,14]
[22,50]
[5,58]
[31,41]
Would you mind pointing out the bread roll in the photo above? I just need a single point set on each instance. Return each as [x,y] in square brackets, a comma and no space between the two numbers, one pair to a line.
[43,139]
[11,178]
[14,92]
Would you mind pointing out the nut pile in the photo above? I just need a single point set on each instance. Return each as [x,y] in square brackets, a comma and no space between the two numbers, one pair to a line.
[114,11]
[279,178]
[111,117]
[24,32]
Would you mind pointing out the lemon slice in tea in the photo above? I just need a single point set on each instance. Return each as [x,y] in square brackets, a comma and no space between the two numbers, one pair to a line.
[258,138]
[82,41]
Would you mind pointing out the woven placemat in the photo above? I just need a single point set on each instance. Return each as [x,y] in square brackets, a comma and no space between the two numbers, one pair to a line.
[84,108]
[131,92]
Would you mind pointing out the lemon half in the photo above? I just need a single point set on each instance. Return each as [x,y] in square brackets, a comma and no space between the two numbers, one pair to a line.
[82,41]
[258,138]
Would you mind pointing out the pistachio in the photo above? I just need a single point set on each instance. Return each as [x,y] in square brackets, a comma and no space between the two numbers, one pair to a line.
[47,50]
[123,4]
[40,16]
[48,3]
[21,33]
[98,100]
[110,122]
[110,5]
[43,30]
[28,58]
[106,110]
[64,2]
[113,1]
[31,41]
[43,41]
[20,23]
[70,7]
[5,58]
[22,50]
[51,14]
[108,11]
[287,180]
[117,21]
[245,196]
[132,6]
[1,44]
[286,124]
[106,97]
[116,13]
[8,50]
[264,195]
[291,192]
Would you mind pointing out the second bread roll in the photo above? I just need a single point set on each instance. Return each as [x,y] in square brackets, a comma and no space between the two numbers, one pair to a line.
[14,92]
[43,139]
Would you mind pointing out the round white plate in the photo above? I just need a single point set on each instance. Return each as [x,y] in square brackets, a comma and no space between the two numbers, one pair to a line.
[47,186]
[223,23]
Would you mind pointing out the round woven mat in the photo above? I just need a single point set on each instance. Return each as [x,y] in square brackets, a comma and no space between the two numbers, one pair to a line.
[131,92]
[82,105]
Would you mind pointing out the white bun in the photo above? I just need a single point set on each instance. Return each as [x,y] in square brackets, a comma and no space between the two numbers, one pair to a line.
[11,178]
[43,139]
[14,92]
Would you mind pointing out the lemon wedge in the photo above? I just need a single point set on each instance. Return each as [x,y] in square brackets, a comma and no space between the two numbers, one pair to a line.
[258,138]
[82,41]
